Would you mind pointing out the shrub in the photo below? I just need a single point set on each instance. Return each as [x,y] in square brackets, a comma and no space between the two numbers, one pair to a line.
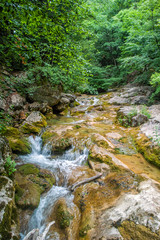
[10,166]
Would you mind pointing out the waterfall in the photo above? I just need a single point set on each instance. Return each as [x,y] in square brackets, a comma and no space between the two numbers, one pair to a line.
[63,164]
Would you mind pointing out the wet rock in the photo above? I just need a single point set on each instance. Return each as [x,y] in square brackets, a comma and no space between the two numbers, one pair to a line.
[47,94]
[8,214]
[34,123]
[100,167]
[59,145]
[31,182]
[63,216]
[17,102]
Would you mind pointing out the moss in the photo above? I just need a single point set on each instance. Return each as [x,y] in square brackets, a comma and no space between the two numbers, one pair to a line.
[47,135]
[83,231]
[63,216]
[30,197]
[18,193]
[129,230]
[28,128]
[11,132]
[20,146]
[75,104]
[28,169]
[145,147]
[61,145]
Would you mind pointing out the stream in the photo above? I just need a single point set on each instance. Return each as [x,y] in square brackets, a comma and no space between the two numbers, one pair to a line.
[126,197]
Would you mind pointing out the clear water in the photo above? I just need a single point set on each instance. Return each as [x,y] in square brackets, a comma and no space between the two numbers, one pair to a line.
[60,166]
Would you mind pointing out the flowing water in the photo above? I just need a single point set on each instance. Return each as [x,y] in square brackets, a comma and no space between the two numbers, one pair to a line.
[59,166]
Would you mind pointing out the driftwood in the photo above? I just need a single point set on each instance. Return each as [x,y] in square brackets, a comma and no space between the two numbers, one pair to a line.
[85,181]
[35,235]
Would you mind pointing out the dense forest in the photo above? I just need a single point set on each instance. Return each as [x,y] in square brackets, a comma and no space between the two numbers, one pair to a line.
[86,46]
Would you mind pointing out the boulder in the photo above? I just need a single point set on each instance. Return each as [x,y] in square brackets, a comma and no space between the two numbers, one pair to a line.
[3,104]
[65,100]
[17,102]
[70,97]
[47,94]
[17,142]
[61,144]
[133,116]
[34,123]
[30,183]
[42,107]
[131,95]
[8,214]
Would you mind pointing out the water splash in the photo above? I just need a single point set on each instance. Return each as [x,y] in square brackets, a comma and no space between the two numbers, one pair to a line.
[59,165]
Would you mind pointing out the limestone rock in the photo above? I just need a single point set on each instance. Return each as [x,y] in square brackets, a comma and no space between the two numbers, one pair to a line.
[8,215]
[42,107]
[3,104]
[34,123]
[17,101]
[138,120]
[131,95]
[46,93]
[65,101]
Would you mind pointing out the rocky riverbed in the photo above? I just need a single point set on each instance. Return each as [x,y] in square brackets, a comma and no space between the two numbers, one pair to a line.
[113,134]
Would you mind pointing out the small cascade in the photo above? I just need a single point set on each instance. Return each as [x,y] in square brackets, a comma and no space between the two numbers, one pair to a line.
[60,166]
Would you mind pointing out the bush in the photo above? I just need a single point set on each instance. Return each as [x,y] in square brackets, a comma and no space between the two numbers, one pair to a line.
[155,82]
[10,166]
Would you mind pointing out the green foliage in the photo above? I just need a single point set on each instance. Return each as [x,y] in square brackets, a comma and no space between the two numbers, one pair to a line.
[145,112]
[155,82]
[5,120]
[10,166]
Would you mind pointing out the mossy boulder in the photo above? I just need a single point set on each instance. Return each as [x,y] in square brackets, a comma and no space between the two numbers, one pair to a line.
[34,123]
[63,215]
[48,135]
[17,142]
[129,230]
[31,181]
[150,151]
[60,145]
[20,146]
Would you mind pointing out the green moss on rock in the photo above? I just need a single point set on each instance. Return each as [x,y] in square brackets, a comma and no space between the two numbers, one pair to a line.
[12,132]
[28,128]
[129,230]
[28,169]
[19,146]
[63,216]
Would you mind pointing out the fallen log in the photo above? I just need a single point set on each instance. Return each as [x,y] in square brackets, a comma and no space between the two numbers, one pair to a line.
[35,235]
[72,188]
